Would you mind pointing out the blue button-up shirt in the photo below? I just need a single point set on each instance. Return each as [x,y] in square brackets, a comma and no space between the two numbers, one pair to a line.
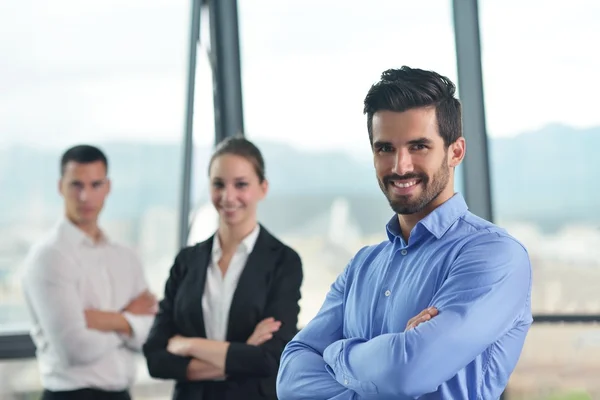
[474,273]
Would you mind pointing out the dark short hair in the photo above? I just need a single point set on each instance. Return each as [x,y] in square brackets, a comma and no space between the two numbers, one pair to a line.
[407,88]
[83,154]
[242,147]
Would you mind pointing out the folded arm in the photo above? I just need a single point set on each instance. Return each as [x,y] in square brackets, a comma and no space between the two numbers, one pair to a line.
[140,322]
[302,373]
[249,360]
[51,292]
[486,293]
[161,363]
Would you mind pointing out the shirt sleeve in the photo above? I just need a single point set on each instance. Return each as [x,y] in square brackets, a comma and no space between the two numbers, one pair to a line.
[486,294]
[140,324]
[50,290]
[302,373]
[162,364]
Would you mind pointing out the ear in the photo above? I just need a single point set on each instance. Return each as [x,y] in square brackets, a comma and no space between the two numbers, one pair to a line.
[108,185]
[456,152]
[264,188]
[60,182]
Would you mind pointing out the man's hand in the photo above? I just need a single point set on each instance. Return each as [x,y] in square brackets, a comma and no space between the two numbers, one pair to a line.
[144,304]
[264,331]
[106,321]
[179,345]
[423,316]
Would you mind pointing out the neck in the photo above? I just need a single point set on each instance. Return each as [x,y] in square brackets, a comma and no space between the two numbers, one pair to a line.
[91,229]
[231,236]
[408,221]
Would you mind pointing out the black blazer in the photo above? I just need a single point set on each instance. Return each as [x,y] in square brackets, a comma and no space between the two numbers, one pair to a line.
[269,286]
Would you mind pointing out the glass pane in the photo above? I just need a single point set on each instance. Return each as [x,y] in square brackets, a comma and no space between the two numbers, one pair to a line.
[20,380]
[307,66]
[559,362]
[540,93]
[545,129]
[105,73]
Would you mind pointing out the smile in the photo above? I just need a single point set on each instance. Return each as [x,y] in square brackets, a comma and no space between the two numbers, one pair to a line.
[405,184]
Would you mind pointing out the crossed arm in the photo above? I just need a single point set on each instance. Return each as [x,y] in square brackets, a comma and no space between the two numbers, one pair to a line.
[490,281]
[171,356]
[79,336]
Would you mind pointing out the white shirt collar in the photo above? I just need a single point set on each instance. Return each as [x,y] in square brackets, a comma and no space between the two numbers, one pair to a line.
[247,244]
[76,236]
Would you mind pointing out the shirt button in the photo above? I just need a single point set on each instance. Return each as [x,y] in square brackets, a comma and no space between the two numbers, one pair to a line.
[404,252]
[345,381]
[387,293]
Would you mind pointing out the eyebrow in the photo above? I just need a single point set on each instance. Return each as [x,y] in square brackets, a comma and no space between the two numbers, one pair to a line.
[379,144]
[422,140]
[238,178]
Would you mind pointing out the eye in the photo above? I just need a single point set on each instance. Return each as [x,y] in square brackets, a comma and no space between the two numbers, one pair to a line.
[218,185]
[385,148]
[241,185]
[418,147]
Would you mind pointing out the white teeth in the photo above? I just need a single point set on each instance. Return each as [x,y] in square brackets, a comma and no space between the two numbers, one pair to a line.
[405,185]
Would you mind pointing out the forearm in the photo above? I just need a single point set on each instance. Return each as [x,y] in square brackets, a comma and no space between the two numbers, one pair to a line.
[199,370]
[109,321]
[303,374]
[212,351]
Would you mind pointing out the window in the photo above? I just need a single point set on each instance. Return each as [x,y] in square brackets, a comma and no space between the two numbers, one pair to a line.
[307,66]
[108,73]
[540,94]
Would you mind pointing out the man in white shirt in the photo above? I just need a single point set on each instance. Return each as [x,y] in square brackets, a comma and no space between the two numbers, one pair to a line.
[87,295]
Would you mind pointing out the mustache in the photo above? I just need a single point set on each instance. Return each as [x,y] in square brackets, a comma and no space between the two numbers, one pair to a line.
[395,177]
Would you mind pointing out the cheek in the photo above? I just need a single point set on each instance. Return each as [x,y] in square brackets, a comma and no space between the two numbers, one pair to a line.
[382,168]
[249,198]
[215,196]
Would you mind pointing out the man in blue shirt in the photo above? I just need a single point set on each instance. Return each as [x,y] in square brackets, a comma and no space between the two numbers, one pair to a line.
[441,309]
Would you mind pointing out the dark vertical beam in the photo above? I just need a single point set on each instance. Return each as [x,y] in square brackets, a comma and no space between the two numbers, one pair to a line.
[477,184]
[226,67]
[188,142]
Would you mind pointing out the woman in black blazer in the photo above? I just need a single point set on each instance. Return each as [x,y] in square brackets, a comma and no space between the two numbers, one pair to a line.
[231,302]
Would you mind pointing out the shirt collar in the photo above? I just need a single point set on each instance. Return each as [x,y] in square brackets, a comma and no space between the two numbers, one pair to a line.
[247,244]
[76,236]
[437,222]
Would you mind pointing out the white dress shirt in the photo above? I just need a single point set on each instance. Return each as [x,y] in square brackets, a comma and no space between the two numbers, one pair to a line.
[65,274]
[219,289]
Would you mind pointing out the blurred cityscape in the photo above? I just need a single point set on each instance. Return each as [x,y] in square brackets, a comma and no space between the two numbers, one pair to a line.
[327,205]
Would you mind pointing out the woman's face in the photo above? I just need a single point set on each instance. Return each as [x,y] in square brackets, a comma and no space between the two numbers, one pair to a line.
[235,189]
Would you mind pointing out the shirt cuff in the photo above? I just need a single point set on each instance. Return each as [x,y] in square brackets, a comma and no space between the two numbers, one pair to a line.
[133,321]
[331,356]
[332,353]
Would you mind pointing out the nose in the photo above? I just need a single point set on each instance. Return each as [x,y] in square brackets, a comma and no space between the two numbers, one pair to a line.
[403,163]
[228,195]
[83,194]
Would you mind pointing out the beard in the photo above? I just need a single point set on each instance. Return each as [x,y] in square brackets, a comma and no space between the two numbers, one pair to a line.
[431,189]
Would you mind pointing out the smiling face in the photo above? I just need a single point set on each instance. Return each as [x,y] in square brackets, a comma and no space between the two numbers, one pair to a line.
[236,189]
[415,170]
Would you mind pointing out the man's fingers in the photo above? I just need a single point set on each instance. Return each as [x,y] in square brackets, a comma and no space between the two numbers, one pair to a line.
[423,316]
[418,321]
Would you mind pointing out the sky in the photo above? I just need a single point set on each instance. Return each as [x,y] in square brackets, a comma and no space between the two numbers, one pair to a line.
[73,71]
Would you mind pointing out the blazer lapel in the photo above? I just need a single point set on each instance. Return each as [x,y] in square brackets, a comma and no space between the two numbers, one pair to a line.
[199,268]
[260,261]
